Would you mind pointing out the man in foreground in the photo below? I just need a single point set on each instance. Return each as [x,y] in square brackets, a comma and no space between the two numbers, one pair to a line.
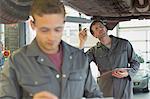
[48,68]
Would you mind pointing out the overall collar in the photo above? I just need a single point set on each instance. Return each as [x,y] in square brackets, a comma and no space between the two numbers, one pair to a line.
[42,58]
[114,42]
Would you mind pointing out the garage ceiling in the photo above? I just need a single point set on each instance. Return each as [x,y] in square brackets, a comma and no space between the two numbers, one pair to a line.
[109,11]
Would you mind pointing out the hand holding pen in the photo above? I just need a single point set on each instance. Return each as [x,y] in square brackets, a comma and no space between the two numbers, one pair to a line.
[82,37]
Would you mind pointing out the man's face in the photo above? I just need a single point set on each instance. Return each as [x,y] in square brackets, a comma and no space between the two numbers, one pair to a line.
[49,28]
[99,30]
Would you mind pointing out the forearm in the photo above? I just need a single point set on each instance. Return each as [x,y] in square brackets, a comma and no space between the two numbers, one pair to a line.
[91,88]
[81,44]
[134,68]
[133,61]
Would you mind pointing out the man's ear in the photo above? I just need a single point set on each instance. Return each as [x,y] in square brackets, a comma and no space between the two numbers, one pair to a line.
[105,29]
[32,23]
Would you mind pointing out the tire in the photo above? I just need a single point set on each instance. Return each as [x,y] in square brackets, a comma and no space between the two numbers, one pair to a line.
[134,91]
[145,90]
[12,11]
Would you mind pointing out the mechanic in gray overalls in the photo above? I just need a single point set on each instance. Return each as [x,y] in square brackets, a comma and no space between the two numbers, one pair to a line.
[48,68]
[116,61]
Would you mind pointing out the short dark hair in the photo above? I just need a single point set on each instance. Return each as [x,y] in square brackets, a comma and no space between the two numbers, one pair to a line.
[41,7]
[93,23]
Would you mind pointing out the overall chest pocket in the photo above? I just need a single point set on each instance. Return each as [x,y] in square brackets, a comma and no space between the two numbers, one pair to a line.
[102,61]
[121,58]
[76,83]
[32,84]
[76,76]
[120,52]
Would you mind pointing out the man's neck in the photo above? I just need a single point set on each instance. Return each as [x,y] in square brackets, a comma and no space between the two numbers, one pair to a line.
[56,51]
[106,41]
[51,51]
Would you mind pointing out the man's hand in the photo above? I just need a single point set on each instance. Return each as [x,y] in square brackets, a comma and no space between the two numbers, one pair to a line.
[120,73]
[44,95]
[82,37]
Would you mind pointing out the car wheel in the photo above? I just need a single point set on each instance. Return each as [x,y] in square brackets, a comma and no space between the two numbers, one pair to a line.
[134,91]
[145,90]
